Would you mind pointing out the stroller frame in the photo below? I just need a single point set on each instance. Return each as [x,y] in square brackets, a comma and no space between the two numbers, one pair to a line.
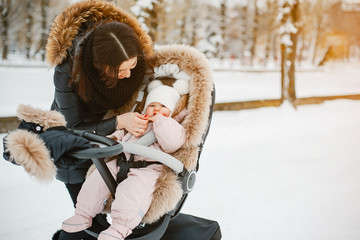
[112,148]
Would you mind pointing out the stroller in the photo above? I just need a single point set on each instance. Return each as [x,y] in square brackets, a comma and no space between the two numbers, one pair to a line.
[163,220]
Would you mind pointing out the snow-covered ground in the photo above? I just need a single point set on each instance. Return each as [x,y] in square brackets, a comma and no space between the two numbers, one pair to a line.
[270,173]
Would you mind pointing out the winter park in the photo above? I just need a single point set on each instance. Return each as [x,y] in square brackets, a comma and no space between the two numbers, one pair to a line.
[281,159]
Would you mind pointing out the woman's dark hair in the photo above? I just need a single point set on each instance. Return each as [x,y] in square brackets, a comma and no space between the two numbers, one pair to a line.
[107,47]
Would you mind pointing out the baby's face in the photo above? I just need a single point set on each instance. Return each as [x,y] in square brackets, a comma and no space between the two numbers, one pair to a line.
[157,108]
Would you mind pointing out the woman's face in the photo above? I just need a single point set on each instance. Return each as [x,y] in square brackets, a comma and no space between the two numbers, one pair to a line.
[125,68]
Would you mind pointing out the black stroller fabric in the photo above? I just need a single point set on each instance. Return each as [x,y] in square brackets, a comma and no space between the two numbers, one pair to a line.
[182,227]
[186,226]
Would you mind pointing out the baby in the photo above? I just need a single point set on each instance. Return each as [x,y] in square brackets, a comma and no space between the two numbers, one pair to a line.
[133,195]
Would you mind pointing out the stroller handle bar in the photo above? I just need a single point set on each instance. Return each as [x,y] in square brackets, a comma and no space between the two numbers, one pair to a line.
[113,148]
[154,154]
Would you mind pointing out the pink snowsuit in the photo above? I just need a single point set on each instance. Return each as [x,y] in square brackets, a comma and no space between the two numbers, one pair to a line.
[134,195]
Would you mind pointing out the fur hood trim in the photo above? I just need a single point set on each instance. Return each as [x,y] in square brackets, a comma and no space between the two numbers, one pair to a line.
[195,64]
[66,26]
[168,189]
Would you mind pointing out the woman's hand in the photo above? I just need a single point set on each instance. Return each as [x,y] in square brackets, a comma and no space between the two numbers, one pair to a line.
[135,123]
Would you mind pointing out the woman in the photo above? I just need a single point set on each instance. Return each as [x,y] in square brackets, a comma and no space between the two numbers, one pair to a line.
[99,52]
[108,68]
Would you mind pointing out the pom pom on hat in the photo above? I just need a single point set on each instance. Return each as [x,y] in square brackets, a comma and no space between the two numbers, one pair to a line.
[154,84]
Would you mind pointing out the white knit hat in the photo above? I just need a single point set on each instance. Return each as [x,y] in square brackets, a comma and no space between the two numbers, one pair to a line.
[168,96]
[165,95]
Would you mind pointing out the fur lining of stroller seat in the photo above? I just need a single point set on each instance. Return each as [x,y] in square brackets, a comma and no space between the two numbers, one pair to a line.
[195,122]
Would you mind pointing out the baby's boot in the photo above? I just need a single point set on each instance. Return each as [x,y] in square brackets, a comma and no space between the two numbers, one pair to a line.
[115,232]
[80,221]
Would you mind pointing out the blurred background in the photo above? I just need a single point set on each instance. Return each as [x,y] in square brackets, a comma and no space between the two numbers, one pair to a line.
[250,31]
[285,166]
[246,35]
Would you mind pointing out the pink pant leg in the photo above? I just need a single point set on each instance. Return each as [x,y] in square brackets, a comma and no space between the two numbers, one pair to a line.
[94,192]
[134,196]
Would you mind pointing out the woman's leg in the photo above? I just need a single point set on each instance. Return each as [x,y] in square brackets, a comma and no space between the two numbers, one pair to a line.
[73,190]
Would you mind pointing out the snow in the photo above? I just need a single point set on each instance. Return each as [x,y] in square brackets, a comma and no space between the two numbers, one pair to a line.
[269,173]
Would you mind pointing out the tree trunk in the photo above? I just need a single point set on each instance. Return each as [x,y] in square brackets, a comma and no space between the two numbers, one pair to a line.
[193,32]
[29,24]
[316,40]
[5,8]
[254,32]
[220,51]
[288,56]
[292,57]
[4,38]
[182,29]
[44,29]
[284,75]
[267,48]
[243,35]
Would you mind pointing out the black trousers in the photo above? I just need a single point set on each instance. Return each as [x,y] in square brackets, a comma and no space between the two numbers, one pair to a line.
[73,190]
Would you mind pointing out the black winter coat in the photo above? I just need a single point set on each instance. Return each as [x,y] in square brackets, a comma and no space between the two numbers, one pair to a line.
[76,112]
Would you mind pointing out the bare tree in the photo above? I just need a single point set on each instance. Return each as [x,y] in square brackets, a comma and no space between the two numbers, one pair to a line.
[223,17]
[160,19]
[207,33]
[7,10]
[29,24]
[254,31]
[44,27]
[183,13]
[244,33]
[270,19]
[319,21]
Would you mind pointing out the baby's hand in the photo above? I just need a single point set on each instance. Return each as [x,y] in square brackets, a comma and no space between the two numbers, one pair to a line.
[156,117]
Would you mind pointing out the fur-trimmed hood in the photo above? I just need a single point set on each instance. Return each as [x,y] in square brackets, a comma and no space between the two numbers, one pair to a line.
[66,26]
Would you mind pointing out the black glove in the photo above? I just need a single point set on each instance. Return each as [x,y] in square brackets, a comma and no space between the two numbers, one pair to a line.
[42,154]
